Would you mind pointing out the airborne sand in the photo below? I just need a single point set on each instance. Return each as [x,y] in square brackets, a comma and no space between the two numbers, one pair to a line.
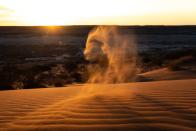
[165,105]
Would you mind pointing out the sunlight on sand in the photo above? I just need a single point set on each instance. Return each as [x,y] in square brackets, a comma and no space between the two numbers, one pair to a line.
[166,105]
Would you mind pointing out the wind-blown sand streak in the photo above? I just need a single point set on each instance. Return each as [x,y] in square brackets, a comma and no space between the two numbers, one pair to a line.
[166,105]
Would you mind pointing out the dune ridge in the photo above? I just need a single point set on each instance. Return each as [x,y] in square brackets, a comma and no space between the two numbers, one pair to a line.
[165,105]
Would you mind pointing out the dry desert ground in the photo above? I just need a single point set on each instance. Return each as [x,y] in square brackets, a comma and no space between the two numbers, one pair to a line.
[161,105]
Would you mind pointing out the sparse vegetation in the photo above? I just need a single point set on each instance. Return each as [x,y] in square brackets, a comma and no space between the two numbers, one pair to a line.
[57,75]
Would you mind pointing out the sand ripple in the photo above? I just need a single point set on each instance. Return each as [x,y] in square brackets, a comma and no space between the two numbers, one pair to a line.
[144,106]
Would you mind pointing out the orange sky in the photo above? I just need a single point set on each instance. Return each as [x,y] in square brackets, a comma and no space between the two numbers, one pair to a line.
[90,12]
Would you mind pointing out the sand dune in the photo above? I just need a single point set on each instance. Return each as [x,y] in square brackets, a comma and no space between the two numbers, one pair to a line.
[166,74]
[165,105]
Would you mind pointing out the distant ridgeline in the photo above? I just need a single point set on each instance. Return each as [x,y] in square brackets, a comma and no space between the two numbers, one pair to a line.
[83,30]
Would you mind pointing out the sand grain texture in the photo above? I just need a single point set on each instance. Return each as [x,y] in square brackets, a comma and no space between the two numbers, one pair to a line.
[165,105]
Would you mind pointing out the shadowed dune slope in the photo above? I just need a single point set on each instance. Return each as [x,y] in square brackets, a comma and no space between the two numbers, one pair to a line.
[165,105]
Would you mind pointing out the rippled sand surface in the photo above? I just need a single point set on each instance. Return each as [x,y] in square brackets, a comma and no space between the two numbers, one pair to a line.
[165,105]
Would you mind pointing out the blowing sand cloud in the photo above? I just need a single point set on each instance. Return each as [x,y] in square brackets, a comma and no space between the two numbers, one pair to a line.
[112,55]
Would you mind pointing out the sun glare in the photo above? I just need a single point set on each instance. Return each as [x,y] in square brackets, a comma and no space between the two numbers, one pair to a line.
[63,12]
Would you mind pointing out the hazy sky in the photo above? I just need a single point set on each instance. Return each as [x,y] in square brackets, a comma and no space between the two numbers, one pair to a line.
[85,12]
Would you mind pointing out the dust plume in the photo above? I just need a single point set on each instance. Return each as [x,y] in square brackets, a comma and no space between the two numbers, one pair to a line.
[112,55]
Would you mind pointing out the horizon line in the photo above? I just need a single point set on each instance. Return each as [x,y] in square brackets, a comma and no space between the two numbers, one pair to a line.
[88,25]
